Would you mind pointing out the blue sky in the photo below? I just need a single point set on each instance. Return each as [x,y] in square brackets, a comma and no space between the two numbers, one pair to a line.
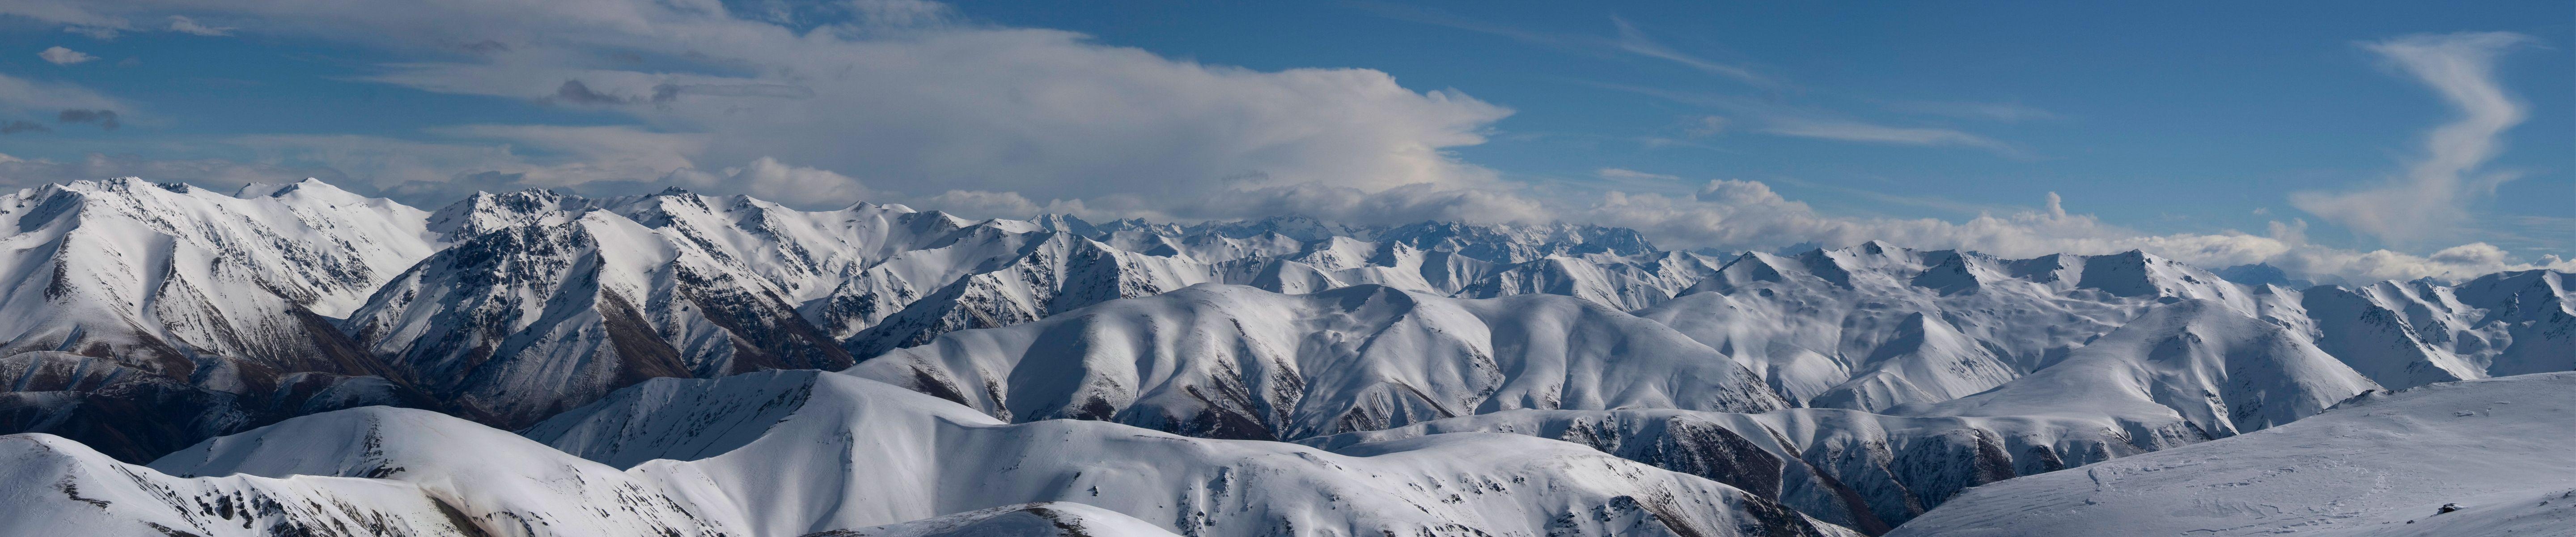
[2185,128]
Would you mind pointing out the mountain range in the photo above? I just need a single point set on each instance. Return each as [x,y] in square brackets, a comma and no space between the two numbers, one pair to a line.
[299,358]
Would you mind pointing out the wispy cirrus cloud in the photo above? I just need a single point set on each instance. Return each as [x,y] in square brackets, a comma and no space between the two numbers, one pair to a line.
[1783,120]
[2431,199]
[1626,39]
[1997,112]
[1855,131]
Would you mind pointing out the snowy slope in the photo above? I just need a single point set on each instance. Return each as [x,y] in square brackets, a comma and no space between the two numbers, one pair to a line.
[800,452]
[222,291]
[60,487]
[502,483]
[1043,519]
[1060,273]
[518,323]
[1237,362]
[2405,334]
[1874,326]
[1865,471]
[2381,464]
[2182,372]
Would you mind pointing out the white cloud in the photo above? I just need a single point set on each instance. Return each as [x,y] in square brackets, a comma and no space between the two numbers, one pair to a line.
[2431,200]
[1629,40]
[64,56]
[187,25]
[767,178]
[1748,215]
[908,98]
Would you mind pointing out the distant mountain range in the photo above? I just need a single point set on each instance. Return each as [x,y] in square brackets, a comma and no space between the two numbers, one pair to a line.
[659,356]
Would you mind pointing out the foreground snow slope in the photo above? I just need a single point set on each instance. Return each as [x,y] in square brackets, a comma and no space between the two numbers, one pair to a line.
[1239,362]
[60,487]
[792,452]
[2379,464]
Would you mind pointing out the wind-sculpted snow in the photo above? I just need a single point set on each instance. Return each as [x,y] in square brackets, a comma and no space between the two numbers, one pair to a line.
[2383,464]
[1237,362]
[1855,469]
[857,453]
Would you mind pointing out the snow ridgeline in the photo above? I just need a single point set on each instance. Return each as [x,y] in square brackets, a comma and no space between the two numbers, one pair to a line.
[792,453]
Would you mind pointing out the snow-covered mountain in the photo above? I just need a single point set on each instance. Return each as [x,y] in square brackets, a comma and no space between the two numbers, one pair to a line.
[2406,334]
[791,453]
[797,452]
[507,307]
[523,321]
[1239,362]
[228,291]
[147,317]
[2383,464]
[1875,326]
[2182,373]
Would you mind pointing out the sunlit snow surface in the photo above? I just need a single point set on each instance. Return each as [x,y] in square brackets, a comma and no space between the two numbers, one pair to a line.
[2379,465]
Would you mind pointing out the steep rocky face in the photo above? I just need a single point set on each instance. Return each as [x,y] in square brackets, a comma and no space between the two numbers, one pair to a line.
[1237,362]
[134,415]
[209,308]
[524,322]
